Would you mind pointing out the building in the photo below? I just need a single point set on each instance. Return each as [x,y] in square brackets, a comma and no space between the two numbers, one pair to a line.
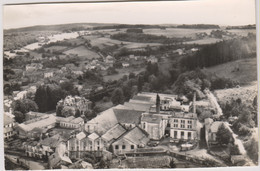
[59,158]
[77,145]
[154,125]
[128,118]
[70,122]
[48,74]
[33,115]
[131,140]
[112,134]
[33,67]
[124,64]
[74,104]
[8,127]
[45,122]
[183,126]
[110,60]
[211,129]
[152,59]
[19,95]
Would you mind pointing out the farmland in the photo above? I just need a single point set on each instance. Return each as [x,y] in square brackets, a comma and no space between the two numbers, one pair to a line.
[82,52]
[244,71]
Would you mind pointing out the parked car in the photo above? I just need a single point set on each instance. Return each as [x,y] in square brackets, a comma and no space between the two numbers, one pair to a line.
[153,144]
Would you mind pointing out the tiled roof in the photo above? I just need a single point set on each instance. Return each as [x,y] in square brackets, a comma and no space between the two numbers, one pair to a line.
[215,125]
[104,121]
[114,132]
[7,120]
[150,118]
[39,122]
[51,142]
[77,120]
[136,136]
[93,136]
[80,135]
[142,98]
[128,116]
[138,106]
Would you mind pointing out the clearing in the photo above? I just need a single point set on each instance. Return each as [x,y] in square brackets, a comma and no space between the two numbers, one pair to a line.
[82,51]
[244,70]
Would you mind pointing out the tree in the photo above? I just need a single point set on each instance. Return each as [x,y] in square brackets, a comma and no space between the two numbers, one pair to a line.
[117,96]
[19,117]
[223,135]
[25,106]
[234,150]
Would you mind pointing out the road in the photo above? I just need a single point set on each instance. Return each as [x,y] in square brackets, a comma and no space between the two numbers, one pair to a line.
[33,165]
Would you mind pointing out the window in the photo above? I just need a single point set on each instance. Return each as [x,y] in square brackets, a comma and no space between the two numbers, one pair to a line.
[116,147]
[132,147]
[182,123]
[175,125]
[175,134]
[189,124]
[176,120]
[182,135]
[123,146]
[189,135]
[144,125]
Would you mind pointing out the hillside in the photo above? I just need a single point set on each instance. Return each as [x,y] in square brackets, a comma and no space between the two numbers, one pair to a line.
[243,70]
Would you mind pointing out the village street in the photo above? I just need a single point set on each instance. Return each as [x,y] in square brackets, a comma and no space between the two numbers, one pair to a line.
[32,165]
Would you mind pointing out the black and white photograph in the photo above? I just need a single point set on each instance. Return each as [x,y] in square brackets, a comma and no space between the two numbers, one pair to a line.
[129,85]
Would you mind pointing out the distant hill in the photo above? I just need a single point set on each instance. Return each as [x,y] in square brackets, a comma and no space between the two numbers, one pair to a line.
[59,27]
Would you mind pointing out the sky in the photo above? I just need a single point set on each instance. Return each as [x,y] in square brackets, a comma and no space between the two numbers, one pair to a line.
[222,12]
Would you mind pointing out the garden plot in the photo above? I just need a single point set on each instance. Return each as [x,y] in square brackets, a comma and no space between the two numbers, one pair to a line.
[83,52]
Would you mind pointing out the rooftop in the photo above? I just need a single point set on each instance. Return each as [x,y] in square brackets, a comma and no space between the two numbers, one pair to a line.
[150,118]
[7,120]
[114,132]
[128,116]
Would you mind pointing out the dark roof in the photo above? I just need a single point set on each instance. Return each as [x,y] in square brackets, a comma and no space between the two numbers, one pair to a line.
[142,98]
[128,116]
[52,142]
[136,135]
[150,118]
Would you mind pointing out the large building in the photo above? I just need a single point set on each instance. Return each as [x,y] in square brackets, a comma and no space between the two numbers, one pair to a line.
[8,127]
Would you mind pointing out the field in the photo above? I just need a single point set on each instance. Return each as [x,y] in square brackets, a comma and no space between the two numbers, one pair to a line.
[121,73]
[56,48]
[242,32]
[176,32]
[246,93]
[102,42]
[244,70]
[82,51]
[208,40]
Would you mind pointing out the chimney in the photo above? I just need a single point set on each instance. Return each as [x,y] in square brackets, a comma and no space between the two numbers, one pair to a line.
[194,101]
[158,103]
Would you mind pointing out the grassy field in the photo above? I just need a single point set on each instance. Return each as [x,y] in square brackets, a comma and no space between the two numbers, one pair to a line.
[242,32]
[122,72]
[246,74]
[245,93]
[82,52]
[56,48]
[176,32]
[209,40]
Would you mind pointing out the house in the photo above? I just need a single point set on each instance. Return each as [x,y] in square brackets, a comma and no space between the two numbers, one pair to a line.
[33,149]
[59,158]
[74,104]
[124,64]
[131,140]
[45,122]
[183,126]
[112,134]
[8,127]
[211,129]
[152,59]
[154,125]
[95,142]
[70,122]
[110,60]
[179,51]
[76,145]
[33,115]
[33,67]
[48,74]
[19,95]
